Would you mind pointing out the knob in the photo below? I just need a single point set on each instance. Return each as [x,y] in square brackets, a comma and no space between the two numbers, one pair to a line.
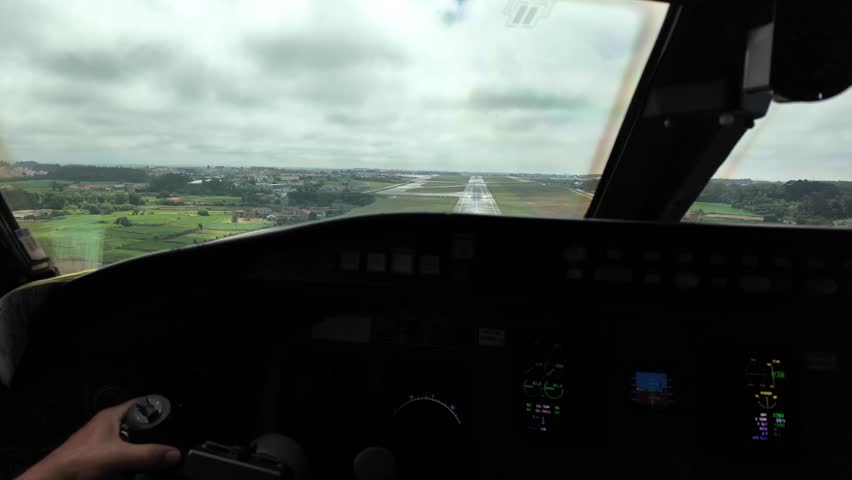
[148,421]
[374,463]
[284,450]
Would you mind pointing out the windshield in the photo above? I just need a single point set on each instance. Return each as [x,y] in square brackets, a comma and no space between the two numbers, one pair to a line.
[135,127]
[793,167]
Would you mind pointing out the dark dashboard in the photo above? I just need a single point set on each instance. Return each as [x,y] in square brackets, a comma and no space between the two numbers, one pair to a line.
[470,346]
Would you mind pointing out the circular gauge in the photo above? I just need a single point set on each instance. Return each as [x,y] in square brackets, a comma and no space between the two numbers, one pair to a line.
[532,388]
[553,389]
[427,436]
[534,380]
[426,409]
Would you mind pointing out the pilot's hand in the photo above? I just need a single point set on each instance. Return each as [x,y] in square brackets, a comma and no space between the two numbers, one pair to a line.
[96,452]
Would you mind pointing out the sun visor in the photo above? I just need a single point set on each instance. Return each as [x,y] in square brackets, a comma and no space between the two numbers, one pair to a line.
[811,52]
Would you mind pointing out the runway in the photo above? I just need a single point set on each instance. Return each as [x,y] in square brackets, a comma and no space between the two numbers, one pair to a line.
[477,199]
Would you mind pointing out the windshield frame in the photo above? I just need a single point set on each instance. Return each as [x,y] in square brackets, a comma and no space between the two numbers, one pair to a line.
[689,111]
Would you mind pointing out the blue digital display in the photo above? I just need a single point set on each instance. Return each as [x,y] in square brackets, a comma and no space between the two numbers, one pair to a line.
[653,382]
[652,389]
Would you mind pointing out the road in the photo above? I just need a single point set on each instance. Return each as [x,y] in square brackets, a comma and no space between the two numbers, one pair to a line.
[477,199]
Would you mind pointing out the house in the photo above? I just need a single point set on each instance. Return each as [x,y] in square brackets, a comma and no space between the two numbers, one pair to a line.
[240,213]
[262,211]
[31,214]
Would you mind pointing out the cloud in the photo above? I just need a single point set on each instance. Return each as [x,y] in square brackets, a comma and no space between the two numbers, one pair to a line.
[414,84]
[797,141]
[526,100]
[295,54]
[111,64]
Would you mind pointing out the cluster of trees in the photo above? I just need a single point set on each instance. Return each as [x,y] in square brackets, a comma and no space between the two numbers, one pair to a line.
[169,182]
[797,201]
[93,202]
[45,167]
[98,174]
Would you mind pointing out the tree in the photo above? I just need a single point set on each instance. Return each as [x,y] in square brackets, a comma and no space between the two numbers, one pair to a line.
[123,221]
[92,208]
[312,216]
[234,218]
[98,174]
[120,197]
[200,226]
[203,213]
[53,201]
[170,182]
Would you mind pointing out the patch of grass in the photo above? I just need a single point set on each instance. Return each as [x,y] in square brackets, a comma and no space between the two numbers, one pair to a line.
[463,179]
[530,199]
[34,185]
[443,184]
[407,203]
[721,209]
[735,219]
[110,256]
[500,179]
[427,188]
[87,241]
[212,200]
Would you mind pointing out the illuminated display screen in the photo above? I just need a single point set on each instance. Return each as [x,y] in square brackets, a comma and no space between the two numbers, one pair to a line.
[765,383]
[543,392]
[652,389]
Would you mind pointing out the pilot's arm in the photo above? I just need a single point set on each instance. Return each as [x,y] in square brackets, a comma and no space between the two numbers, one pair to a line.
[97,452]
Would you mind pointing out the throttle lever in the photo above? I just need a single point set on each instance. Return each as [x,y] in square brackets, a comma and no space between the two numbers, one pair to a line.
[149,420]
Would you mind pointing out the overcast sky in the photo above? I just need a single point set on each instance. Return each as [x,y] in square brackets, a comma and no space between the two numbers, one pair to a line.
[414,84]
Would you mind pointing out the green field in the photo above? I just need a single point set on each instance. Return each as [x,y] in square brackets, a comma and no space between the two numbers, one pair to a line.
[407,204]
[87,241]
[210,200]
[450,178]
[443,186]
[721,209]
[533,199]
[436,190]
[35,185]
[730,219]
[493,180]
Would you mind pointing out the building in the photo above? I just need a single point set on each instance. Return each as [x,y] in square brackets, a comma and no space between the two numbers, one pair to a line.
[31,214]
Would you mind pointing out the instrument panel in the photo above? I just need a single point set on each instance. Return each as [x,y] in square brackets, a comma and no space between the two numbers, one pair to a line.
[513,357]
[667,397]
